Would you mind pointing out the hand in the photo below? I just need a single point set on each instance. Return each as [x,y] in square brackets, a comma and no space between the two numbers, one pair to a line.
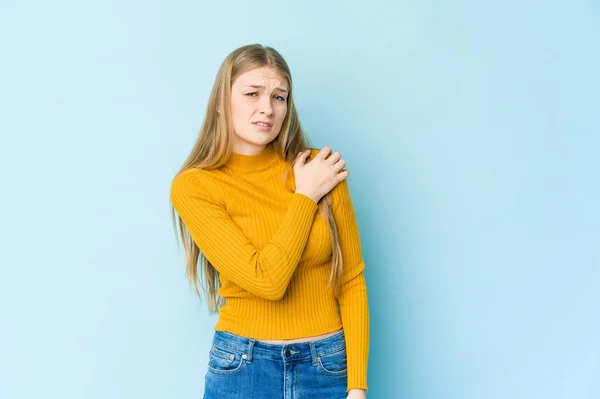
[317,177]
[357,394]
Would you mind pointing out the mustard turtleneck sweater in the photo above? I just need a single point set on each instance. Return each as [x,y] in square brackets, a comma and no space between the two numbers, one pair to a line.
[273,253]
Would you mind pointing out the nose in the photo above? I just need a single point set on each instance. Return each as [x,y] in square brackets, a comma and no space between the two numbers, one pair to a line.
[265,106]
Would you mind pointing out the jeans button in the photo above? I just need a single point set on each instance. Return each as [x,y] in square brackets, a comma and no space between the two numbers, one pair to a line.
[287,352]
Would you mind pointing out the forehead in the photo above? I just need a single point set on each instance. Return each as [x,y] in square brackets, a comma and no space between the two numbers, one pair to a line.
[262,76]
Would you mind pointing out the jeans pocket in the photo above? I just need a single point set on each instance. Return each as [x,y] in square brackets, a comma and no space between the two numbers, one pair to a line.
[333,363]
[225,361]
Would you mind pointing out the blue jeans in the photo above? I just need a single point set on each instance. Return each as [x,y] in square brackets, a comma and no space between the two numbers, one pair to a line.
[241,367]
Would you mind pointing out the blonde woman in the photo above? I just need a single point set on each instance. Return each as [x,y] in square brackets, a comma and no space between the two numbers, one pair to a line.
[272,222]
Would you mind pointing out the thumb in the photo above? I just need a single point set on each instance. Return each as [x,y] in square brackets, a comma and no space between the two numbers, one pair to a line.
[301,158]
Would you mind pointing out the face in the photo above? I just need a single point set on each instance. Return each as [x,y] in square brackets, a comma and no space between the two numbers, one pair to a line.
[258,95]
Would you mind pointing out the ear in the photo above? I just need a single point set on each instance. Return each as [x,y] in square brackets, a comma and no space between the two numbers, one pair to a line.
[218,108]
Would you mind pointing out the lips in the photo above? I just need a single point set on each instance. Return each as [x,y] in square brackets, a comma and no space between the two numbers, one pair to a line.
[264,124]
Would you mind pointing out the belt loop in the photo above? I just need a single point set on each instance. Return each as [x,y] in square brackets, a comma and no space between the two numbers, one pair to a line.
[250,349]
[313,353]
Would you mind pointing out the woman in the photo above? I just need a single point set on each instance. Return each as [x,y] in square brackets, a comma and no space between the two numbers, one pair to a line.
[274,221]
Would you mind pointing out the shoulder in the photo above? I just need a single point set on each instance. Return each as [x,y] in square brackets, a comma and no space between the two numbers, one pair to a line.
[191,176]
[192,181]
[341,192]
[314,152]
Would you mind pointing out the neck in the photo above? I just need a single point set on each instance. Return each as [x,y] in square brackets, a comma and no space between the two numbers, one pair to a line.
[252,163]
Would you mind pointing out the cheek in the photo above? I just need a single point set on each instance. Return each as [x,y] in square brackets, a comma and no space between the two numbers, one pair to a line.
[282,112]
[240,110]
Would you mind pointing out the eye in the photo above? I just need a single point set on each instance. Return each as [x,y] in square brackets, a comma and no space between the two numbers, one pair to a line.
[280,98]
[251,94]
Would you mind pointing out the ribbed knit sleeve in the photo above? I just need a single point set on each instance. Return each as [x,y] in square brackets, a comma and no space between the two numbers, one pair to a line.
[264,272]
[353,301]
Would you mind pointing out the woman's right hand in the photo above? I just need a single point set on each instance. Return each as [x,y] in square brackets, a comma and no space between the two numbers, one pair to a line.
[321,174]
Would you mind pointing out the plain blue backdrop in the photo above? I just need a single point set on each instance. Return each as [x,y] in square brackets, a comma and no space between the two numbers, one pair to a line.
[471,131]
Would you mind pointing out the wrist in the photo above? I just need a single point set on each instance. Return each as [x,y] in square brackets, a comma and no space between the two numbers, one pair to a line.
[311,196]
[357,393]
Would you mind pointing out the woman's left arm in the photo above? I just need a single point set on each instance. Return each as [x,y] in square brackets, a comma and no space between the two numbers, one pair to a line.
[353,301]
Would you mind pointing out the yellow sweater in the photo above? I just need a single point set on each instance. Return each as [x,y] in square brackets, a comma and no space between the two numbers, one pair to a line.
[273,253]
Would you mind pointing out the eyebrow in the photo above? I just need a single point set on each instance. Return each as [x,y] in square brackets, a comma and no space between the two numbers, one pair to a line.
[262,87]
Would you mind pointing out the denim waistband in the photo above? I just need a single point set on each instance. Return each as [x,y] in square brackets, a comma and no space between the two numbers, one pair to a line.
[285,352]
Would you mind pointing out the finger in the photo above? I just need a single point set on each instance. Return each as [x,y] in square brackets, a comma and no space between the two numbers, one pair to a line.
[335,156]
[301,158]
[304,154]
[325,152]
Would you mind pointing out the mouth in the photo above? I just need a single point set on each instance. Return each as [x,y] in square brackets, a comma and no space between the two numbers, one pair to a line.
[262,124]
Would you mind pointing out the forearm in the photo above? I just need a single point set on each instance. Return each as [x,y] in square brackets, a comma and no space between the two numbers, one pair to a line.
[354,312]
[264,272]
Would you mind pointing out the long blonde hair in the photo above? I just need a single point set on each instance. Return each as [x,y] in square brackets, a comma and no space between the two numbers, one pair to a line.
[214,146]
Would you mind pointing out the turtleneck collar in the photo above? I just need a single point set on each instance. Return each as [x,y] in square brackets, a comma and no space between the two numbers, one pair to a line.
[253,163]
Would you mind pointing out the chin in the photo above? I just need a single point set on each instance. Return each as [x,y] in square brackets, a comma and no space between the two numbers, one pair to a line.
[261,140]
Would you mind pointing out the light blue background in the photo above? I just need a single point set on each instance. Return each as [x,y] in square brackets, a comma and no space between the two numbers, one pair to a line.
[471,134]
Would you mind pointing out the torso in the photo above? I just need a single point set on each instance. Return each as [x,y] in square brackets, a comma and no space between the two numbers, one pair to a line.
[292,341]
